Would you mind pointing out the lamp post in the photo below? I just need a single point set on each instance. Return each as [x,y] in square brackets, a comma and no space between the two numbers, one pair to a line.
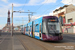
[29,16]
[12,22]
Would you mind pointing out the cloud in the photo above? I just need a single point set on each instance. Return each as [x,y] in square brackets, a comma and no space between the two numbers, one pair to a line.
[68,2]
[39,2]
[4,9]
[30,3]
[34,2]
[16,4]
[20,16]
[3,12]
[51,13]
[49,1]
[36,17]
[57,7]
[6,1]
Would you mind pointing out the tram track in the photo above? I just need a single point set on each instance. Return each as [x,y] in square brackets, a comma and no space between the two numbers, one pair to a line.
[39,43]
[42,44]
[33,42]
[57,44]
[23,43]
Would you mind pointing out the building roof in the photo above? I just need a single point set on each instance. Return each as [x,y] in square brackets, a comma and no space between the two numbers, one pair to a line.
[60,8]
[65,5]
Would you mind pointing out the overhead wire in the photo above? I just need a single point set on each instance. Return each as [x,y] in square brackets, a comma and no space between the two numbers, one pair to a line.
[22,8]
[40,6]
[24,5]
[67,3]
[51,8]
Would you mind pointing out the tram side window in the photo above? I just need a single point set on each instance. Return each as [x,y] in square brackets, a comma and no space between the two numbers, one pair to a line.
[29,28]
[44,28]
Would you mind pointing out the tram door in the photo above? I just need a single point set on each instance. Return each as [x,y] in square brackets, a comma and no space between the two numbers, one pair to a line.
[40,30]
[29,31]
[33,30]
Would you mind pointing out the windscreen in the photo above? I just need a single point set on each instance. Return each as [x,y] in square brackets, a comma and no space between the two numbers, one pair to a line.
[53,25]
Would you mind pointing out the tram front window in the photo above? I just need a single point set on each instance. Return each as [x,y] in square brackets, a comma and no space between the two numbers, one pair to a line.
[44,27]
[53,27]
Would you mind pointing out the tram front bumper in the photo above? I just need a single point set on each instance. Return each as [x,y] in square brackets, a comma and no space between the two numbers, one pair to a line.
[52,38]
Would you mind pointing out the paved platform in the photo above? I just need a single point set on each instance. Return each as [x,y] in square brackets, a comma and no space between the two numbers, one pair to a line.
[17,44]
[8,42]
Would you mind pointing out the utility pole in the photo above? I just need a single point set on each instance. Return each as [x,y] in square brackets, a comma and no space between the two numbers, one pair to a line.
[12,18]
[12,22]
[29,18]
[28,14]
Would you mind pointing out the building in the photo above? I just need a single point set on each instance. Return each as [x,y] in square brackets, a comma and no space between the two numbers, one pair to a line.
[60,12]
[70,17]
[7,27]
[70,23]
[66,15]
[8,19]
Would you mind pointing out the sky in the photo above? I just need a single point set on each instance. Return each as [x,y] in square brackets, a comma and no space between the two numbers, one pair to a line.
[39,7]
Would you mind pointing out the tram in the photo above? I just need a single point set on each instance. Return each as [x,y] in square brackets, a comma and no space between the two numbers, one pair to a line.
[46,28]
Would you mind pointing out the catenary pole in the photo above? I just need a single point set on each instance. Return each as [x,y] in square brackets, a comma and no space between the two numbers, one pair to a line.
[12,22]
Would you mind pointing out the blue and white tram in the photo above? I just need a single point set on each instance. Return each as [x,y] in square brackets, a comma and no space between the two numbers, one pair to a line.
[47,28]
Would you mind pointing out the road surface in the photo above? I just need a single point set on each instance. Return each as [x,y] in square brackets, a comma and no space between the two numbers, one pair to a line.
[68,43]
[23,42]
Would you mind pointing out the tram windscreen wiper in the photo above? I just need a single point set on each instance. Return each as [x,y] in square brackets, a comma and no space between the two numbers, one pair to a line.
[53,30]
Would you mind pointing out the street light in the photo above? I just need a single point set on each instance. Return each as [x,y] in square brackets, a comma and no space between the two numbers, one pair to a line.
[12,22]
